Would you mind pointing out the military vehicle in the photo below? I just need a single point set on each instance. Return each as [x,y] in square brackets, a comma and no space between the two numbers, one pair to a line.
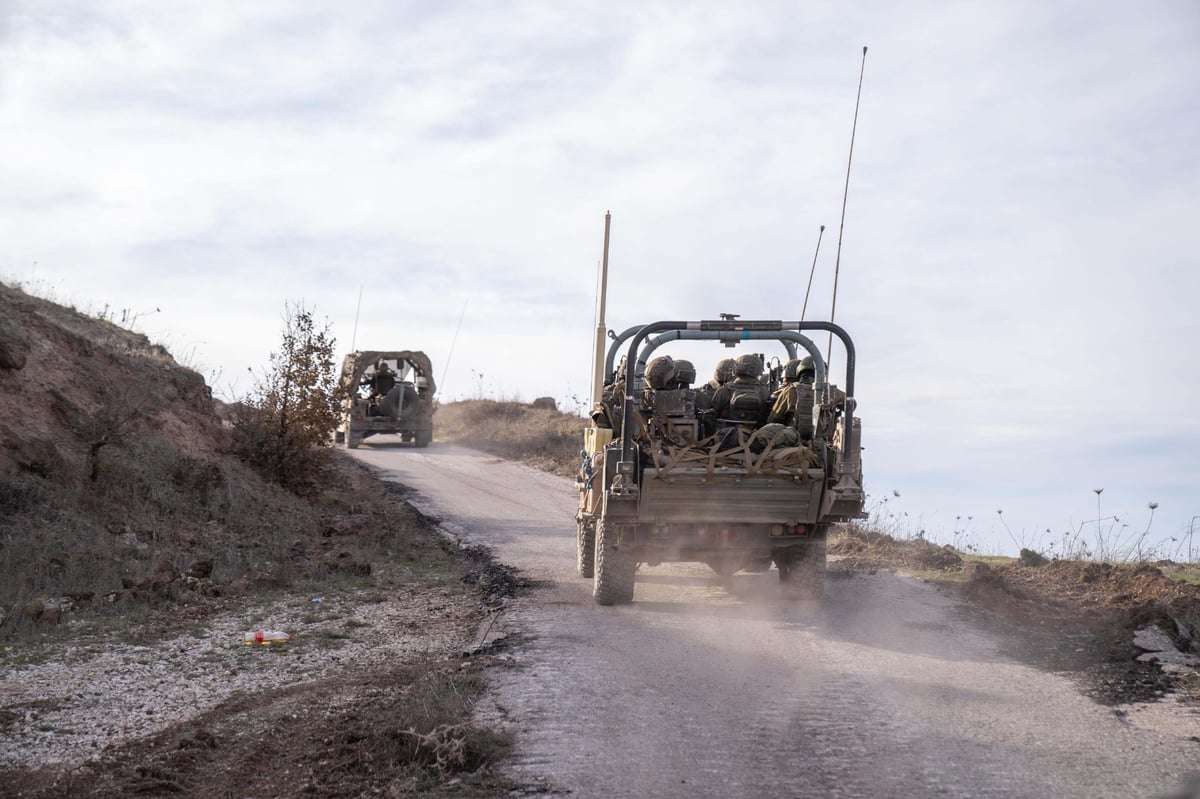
[663,479]
[386,392]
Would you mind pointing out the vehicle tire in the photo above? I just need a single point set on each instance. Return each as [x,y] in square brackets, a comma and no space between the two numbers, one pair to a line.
[585,547]
[802,571]
[614,571]
[422,438]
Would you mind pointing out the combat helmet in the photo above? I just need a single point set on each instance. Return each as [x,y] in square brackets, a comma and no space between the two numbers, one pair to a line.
[806,365]
[685,373]
[791,372]
[724,371]
[747,365]
[660,374]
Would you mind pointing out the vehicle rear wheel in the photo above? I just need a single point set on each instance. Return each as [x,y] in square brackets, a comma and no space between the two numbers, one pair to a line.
[802,570]
[423,437]
[614,570]
[585,547]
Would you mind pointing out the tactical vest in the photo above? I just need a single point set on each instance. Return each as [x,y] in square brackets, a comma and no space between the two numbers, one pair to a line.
[747,402]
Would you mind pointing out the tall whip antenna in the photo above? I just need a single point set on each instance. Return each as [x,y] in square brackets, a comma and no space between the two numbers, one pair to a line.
[811,272]
[598,362]
[357,308]
[453,341]
[837,263]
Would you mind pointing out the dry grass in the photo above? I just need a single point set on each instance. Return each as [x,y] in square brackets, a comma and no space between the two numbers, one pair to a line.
[545,439]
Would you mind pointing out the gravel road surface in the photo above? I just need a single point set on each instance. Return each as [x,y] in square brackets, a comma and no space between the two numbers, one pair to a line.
[721,688]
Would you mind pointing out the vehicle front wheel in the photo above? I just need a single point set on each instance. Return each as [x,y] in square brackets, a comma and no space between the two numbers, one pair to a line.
[614,570]
[422,438]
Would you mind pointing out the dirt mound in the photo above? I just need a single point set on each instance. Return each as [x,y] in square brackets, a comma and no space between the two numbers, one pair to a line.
[536,434]
[1090,619]
[866,548]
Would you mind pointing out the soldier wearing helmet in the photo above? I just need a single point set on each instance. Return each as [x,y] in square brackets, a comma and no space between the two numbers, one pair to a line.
[381,380]
[721,375]
[745,400]
[660,373]
[685,374]
[793,403]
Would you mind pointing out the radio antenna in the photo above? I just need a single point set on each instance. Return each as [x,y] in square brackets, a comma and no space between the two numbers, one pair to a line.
[837,263]
[811,272]
[453,341]
[357,308]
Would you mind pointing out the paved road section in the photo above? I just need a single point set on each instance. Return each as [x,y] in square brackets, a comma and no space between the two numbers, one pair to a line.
[721,688]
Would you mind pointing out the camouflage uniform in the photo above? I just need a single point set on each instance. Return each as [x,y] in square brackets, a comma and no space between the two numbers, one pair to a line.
[721,375]
[745,399]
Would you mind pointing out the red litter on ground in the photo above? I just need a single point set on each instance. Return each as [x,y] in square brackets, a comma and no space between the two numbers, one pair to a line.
[266,637]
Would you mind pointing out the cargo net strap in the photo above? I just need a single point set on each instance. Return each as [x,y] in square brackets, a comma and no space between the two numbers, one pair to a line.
[763,451]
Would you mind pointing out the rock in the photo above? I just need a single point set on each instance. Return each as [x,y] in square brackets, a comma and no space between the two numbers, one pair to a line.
[163,584]
[343,525]
[343,562]
[14,346]
[33,609]
[129,541]
[1158,645]
[239,587]
[1032,559]
[200,569]
[35,455]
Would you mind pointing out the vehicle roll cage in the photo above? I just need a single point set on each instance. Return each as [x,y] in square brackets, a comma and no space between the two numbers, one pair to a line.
[729,331]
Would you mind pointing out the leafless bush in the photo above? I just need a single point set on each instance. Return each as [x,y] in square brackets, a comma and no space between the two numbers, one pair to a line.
[287,421]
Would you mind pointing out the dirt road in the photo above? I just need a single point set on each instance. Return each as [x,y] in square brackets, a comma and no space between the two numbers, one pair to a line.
[706,687]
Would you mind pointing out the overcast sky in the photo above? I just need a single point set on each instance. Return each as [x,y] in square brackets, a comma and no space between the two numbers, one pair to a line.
[1018,267]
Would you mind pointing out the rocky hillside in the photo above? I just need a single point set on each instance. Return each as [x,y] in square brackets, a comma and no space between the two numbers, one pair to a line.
[117,483]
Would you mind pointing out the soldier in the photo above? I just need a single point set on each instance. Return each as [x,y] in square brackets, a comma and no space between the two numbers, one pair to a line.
[607,412]
[793,402]
[721,375]
[660,373]
[685,374]
[745,400]
[381,380]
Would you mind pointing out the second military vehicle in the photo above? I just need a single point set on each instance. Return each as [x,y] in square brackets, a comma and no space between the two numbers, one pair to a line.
[386,392]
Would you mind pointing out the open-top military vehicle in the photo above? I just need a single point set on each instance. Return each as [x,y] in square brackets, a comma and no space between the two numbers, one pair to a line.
[386,392]
[664,480]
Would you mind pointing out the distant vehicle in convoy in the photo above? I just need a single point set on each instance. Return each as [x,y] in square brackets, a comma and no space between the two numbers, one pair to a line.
[386,392]
[670,475]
